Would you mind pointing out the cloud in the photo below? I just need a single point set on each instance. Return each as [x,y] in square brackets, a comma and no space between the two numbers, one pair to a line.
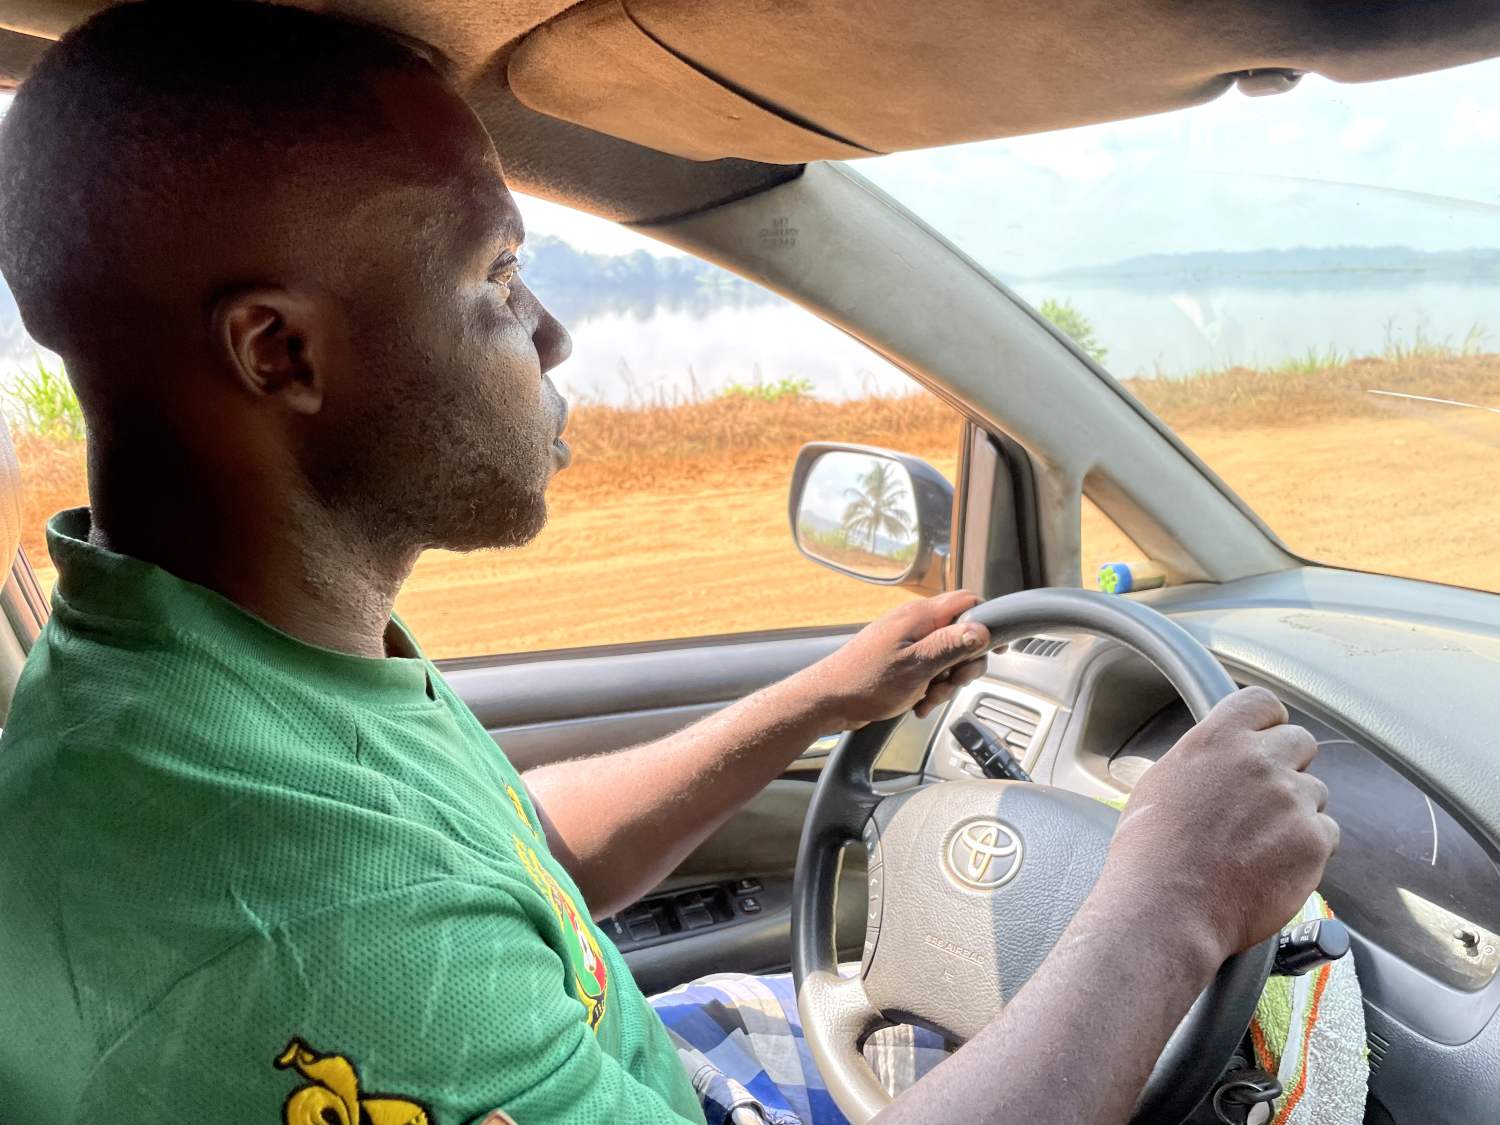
[1075,154]
[1378,164]
[1360,134]
[1473,126]
[1284,132]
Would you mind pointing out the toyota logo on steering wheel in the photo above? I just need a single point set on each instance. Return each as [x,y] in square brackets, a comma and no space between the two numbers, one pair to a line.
[984,854]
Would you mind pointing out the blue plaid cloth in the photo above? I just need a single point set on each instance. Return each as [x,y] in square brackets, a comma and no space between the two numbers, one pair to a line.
[740,1039]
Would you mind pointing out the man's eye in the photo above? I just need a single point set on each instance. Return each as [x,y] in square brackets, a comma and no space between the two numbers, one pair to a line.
[505,269]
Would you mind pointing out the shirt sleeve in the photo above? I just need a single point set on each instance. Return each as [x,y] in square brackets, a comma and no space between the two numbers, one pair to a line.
[440,999]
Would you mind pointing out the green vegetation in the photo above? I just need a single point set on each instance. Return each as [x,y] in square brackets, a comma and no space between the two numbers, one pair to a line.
[1396,351]
[834,539]
[905,555]
[1424,346]
[1312,362]
[1075,326]
[792,387]
[835,546]
[44,403]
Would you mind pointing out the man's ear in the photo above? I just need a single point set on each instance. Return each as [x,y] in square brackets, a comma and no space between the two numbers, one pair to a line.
[271,341]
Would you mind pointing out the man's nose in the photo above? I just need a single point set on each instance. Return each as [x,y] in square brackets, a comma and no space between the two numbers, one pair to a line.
[553,344]
[548,336]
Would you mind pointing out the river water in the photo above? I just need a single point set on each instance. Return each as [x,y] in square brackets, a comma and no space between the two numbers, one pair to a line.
[668,353]
[1148,332]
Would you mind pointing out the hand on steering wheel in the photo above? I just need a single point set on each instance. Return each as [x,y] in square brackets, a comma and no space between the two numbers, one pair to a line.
[973,882]
[913,658]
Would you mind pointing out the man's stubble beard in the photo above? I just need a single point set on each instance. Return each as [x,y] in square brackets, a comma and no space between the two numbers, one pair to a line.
[436,463]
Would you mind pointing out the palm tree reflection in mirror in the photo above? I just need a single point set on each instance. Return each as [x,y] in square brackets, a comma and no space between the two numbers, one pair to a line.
[858,513]
[880,505]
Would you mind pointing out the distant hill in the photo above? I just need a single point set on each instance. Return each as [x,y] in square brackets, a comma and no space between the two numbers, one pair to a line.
[573,284]
[1301,267]
[576,285]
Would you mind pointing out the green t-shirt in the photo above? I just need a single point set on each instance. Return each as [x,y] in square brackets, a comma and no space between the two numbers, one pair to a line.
[244,879]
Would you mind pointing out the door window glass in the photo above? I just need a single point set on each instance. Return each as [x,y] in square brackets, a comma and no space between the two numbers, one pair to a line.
[690,391]
[1305,287]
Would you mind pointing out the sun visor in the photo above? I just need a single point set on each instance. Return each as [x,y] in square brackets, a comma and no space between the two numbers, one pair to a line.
[834,79]
[598,68]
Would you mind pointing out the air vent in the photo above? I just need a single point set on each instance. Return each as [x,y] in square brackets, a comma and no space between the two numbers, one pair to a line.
[1012,723]
[1378,1048]
[1037,646]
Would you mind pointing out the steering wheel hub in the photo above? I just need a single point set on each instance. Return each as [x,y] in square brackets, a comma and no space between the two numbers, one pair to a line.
[984,853]
[980,878]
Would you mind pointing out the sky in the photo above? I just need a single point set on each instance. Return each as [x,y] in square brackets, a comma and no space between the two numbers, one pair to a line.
[1413,161]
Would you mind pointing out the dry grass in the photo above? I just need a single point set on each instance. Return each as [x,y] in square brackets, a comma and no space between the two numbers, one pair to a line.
[616,450]
[690,445]
[53,477]
[1242,396]
[717,442]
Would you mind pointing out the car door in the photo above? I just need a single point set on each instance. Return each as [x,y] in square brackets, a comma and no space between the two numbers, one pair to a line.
[555,705]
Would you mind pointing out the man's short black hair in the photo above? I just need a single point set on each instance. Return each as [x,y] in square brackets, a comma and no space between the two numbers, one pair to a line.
[118,141]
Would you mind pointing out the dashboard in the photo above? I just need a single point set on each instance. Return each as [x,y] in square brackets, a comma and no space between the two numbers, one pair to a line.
[1406,874]
[1399,681]
[1415,879]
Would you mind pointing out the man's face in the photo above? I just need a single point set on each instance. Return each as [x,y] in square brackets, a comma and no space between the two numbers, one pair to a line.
[450,428]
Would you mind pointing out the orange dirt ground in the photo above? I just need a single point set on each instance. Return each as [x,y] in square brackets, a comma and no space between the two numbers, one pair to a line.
[1373,494]
[673,523]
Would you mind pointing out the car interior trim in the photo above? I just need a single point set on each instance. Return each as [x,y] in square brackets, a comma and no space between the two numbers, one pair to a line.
[635,648]
[521,694]
[629,67]
[828,65]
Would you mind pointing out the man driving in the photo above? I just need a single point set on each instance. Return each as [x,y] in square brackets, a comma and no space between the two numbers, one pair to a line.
[258,862]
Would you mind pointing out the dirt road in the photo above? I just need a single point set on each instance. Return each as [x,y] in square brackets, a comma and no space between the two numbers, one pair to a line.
[641,567]
[1400,496]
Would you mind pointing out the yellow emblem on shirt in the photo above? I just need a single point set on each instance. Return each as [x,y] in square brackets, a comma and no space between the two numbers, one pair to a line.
[585,958]
[332,1096]
[515,799]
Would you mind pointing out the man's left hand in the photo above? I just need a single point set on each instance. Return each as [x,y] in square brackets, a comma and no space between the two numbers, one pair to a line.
[914,658]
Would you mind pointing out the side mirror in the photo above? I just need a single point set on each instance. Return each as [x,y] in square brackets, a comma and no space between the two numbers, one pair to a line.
[872,514]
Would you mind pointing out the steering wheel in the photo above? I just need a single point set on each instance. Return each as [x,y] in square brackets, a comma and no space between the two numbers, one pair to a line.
[973,882]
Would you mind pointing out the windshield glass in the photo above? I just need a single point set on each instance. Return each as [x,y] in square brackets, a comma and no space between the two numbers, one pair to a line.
[1305,287]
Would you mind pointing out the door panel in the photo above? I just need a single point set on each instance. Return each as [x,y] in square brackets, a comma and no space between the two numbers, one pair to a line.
[758,945]
[536,744]
[760,839]
[575,702]
[556,706]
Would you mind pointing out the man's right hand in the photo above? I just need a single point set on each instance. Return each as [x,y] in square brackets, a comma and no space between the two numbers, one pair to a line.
[1227,832]
[1219,846]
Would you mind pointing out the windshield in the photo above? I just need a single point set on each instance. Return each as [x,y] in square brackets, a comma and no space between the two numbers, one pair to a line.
[1305,287]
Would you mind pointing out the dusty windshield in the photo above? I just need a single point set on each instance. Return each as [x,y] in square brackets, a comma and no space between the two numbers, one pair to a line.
[1306,287]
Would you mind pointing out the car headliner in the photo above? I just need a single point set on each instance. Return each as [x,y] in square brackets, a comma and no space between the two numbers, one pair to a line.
[647,109]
